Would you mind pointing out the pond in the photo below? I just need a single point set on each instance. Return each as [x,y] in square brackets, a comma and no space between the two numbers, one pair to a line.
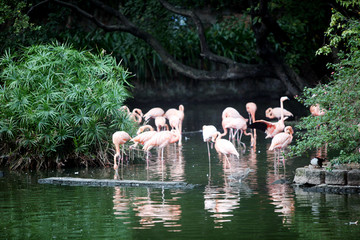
[262,206]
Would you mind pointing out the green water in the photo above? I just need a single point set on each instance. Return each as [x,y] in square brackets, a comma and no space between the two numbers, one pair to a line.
[219,208]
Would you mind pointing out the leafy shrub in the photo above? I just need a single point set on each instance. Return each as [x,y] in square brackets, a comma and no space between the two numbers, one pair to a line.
[59,104]
[339,128]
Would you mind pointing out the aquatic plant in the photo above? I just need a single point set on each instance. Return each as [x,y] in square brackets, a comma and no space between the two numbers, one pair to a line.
[60,105]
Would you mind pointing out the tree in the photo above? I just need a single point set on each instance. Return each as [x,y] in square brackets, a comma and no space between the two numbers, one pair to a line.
[339,127]
[268,33]
[60,105]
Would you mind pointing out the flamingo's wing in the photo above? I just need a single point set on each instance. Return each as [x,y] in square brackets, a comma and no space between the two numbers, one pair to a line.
[261,125]
[226,147]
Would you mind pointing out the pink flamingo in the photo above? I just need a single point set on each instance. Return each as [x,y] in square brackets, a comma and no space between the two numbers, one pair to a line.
[143,128]
[271,129]
[161,140]
[224,146]
[251,109]
[119,138]
[237,124]
[142,136]
[208,131]
[174,122]
[316,111]
[136,114]
[276,113]
[281,141]
[179,113]
[231,112]
[153,113]
[160,123]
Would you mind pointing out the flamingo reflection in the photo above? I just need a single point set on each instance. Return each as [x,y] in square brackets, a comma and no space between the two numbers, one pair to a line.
[154,211]
[152,207]
[221,201]
[171,166]
[280,191]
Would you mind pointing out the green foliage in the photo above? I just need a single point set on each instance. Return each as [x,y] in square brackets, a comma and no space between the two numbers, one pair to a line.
[233,38]
[339,127]
[58,104]
[11,11]
[304,24]
[14,23]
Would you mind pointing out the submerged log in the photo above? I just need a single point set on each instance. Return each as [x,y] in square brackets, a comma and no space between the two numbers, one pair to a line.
[69,181]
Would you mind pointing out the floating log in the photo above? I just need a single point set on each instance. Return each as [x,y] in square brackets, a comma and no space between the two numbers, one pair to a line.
[69,181]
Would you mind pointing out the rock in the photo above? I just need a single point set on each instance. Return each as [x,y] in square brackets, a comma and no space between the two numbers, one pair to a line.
[335,177]
[353,177]
[309,176]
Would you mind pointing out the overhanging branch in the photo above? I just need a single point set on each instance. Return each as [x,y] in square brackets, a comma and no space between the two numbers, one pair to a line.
[235,71]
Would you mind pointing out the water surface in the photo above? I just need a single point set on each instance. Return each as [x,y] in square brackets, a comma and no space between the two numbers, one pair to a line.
[260,207]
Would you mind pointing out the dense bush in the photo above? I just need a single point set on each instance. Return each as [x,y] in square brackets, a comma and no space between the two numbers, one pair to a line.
[339,127]
[59,104]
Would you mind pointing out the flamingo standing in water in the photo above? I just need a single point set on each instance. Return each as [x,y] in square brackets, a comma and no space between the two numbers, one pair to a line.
[174,122]
[208,131]
[281,141]
[160,123]
[119,138]
[136,114]
[224,146]
[142,135]
[153,113]
[251,109]
[237,124]
[179,113]
[161,140]
[276,113]
[271,129]
[231,112]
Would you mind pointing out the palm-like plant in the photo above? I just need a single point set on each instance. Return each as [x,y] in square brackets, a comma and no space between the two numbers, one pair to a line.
[58,103]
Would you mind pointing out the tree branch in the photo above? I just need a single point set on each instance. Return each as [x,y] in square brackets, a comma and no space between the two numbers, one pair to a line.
[262,29]
[347,12]
[235,71]
[204,47]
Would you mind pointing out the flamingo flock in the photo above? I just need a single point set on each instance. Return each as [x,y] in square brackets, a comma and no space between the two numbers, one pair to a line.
[167,129]
[146,135]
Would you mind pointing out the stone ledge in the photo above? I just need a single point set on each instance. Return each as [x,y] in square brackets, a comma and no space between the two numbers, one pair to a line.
[325,188]
[340,180]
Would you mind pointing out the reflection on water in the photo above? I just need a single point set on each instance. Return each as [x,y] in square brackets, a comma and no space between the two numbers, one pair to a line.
[280,191]
[263,205]
[151,208]
[221,201]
